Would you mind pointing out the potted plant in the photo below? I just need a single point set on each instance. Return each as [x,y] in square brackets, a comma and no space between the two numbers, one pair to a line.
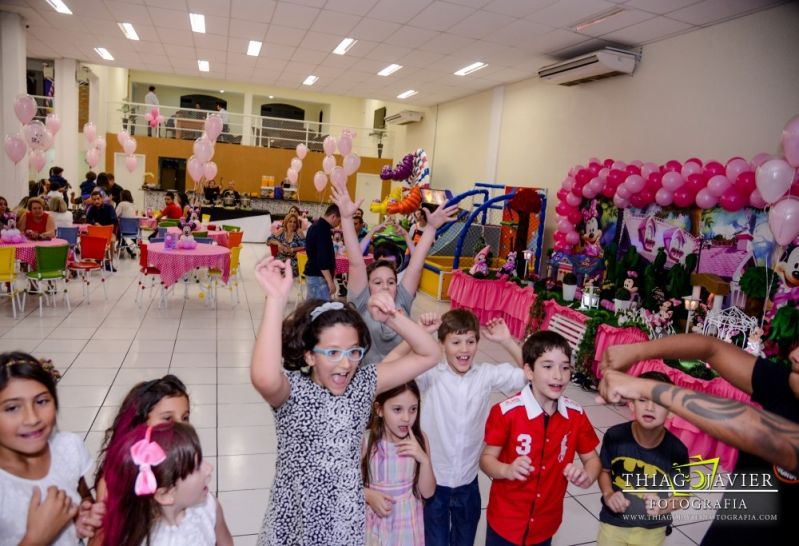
[622,300]
[753,283]
[569,286]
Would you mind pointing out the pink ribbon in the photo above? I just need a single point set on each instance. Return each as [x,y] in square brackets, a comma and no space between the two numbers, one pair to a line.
[145,455]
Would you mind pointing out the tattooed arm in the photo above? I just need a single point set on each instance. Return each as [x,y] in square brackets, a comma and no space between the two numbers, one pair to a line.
[753,430]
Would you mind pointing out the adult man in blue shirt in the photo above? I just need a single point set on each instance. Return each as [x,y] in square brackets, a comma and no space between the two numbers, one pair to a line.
[321,265]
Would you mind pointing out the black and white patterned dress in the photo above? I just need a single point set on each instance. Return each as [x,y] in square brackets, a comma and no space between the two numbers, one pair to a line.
[317,496]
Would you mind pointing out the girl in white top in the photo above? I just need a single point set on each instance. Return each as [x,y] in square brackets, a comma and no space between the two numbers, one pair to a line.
[41,470]
[59,212]
[125,208]
[158,491]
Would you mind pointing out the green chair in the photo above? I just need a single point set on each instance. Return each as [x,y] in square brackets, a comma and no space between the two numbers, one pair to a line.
[230,228]
[169,223]
[200,234]
[51,267]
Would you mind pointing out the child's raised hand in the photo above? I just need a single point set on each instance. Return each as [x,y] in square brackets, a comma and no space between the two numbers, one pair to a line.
[617,502]
[409,447]
[341,197]
[496,330]
[380,503]
[577,475]
[430,322]
[90,518]
[519,469]
[441,216]
[46,518]
[381,306]
[274,277]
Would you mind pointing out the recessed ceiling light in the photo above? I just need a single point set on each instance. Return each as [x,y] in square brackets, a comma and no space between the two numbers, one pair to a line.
[128,31]
[59,6]
[406,94]
[103,52]
[203,65]
[197,22]
[221,90]
[310,80]
[254,49]
[345,46]
[271,96]
[474,67]
[389,70]
[598,18]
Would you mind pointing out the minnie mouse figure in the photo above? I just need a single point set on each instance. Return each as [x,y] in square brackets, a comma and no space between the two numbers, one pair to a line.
[629,284]
[593,235]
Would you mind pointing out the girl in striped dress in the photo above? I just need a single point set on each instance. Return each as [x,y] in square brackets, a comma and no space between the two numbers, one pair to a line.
[396,469]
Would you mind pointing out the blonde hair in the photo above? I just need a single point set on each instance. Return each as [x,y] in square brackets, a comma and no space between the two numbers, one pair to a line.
[288,217]
[33,200]
[57,204]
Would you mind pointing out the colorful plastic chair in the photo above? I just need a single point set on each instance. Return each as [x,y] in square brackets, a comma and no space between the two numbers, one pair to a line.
[8,276]
[129,235]
[92,258]
[147,271]
[233,280]
[234,239]
[51,267]
[230,228]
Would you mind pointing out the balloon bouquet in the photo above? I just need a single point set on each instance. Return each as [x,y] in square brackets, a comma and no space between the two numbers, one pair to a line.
[415,171]
[35,136]
[199,165]
[337,173]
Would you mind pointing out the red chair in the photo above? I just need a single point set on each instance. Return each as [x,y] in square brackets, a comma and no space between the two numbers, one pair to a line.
[92,258]
[146,270]
[234,239]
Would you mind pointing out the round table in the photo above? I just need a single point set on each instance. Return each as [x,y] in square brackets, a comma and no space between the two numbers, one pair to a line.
[26,251]
[343,263]
[175,263]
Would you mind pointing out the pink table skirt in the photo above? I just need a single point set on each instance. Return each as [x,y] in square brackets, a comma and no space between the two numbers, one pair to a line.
[343,263]
[173,264]
[26,252]
[148,223]
[607,335]
[552,308]
[220,237]
[489,299]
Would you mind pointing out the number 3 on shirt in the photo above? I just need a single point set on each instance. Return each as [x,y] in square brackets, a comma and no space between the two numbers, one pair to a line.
[525,443]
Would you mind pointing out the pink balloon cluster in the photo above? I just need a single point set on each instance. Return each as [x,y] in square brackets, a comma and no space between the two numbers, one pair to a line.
[338,174]
[35,136]
[154,117]
[128,144]
[97,144]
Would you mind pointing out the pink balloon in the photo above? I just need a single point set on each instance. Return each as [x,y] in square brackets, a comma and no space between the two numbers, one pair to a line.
[338,176]
[568,183]
[129,146]
[694,160]
[122,137]
[672,180]
[351,164]
[47,141]
[774,179]
[623,192]
[590,191]
[92,157]
[756,200]
[161,119]
[790,142]
[761,158]
[37,160]
[203,149]
[620,202]
[296,164]
[705,199]
[131,162]
[90,132]
[328,163]
[690,168]
[344,144]
[52,123]
[329,145]
[737,166]
[732,201]
[301,150]
[25,108]
[15,147]
[713,168]
[195,168]
[673,166]
[209,170]
[292,175]
[717,186]
[35,134]
[154,115]
[664,197]
[745,183]
[100,144]
[635,183]
[683,197]
[572,237]
[320,181]
[648,168]
[213,126]
[573,200]
[620,165]
[783,219]
[564,226]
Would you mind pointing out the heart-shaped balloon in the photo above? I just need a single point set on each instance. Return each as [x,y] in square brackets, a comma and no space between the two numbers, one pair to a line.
[338,176]
[122,136]
[344,144]
[320,181]
[302,150]
[131,162]
[203,149]
[92,157]
[296,164]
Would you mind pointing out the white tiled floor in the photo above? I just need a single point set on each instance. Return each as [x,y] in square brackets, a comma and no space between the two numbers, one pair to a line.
[107,346]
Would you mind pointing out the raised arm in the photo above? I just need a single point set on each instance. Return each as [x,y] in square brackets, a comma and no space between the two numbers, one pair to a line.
[356,277]
[266,371]
[497,331]
[424,350]
[429,321]
[732,363]
[436,219]
[753,430]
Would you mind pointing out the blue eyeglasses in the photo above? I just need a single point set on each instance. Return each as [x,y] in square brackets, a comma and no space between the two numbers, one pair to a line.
[355,354]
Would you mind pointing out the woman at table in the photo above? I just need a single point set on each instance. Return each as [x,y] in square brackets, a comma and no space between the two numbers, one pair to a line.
[289,241]
[3,211]
[125,208]
[36,223]
[58,210]
[382,275]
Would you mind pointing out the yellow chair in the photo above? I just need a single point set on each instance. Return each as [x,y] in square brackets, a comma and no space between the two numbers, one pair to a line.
[302,259]
[206,219]
[8,275]
[235,277]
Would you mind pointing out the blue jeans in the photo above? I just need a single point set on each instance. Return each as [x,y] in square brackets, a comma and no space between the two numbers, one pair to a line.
[317,288]
[493,539]
[451,515]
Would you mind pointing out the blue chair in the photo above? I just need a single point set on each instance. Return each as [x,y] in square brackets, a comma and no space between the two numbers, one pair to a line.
[69,234]
[157,240]
[204,240]
[128,236]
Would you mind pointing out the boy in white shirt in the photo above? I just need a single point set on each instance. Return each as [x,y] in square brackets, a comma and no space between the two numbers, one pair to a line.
[455,407]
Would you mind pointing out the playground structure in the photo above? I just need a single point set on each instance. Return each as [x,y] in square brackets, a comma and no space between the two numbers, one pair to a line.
[455,242]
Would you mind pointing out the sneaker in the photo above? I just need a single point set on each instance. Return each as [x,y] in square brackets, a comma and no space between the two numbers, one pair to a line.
[110,267]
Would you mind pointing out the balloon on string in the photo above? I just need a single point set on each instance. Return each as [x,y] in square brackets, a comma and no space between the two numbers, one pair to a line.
[15,147]
[47,140]
[37,160]
[292,175]
[131,162]
[90,132]
[774,179]
[203,149]
[783,219]
[92,157]
[122,137]
[213,126]
[25,108]
[302,150]
[52,123]
[195,168]
[296,164]
[320,181]
[209,170]
[129,146]
[329,145]
[34,134]
[328,163]
[100,144]
[338,176]
[756,200]
[790,142]
[351,163]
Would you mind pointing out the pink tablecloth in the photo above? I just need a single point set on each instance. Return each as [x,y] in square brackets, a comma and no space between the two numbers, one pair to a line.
[173,264]
[343,263]
[551,308]
[148,223]
[607,335]
[491,299]
[26,252]
[219,236]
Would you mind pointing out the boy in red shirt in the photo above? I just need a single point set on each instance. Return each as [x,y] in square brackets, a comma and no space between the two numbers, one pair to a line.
[531,439]
[172,210]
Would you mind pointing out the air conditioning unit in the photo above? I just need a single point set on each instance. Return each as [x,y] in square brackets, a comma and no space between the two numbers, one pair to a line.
[404,117]
[598,65]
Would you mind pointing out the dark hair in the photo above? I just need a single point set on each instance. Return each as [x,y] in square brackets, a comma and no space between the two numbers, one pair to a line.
[129,517]
[657,376]
[541,342]
[91,176]
[135,409]
[102,180]
[19,365]
[126,196]
[170,194]
[332,209]
[376,430]
[97,191]
[458,321]
[110,177]
[184,199]
[56,171]
[4,200]
[301,333]
[151,88]
[381,263]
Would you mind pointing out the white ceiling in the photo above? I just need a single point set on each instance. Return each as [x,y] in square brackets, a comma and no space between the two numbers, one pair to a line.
[430,38]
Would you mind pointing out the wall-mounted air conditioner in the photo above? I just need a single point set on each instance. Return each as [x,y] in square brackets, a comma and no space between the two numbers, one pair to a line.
[598,65]
[404,117]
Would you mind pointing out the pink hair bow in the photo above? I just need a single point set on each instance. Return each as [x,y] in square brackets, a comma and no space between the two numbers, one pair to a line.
[145,455]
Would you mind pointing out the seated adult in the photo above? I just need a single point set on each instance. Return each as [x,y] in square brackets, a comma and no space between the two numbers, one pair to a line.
[172,210]
[36,223]
[4,212]
[230,191]
[125,208]
[101,213]
[59,212]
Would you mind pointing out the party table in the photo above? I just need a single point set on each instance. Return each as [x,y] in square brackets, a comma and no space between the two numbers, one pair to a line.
[148,223]
[175,263]
[26,251]
[343,263]
[220,237]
